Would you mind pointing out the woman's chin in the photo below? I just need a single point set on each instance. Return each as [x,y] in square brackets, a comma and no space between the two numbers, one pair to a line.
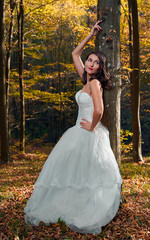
[90,73]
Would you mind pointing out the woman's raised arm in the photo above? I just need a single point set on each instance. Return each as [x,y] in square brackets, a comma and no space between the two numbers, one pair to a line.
[76,54]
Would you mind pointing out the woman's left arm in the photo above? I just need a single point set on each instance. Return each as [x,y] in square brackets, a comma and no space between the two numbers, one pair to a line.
[97,95]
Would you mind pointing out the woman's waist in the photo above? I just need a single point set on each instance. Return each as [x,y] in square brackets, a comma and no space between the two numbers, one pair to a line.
[89,118]
[83,116]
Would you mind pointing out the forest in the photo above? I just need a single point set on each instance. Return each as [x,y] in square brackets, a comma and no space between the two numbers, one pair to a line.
[38,82]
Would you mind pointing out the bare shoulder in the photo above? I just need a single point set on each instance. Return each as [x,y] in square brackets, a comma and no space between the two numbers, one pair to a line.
[95,85]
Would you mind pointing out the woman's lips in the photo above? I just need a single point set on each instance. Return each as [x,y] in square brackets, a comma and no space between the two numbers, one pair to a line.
[91,68]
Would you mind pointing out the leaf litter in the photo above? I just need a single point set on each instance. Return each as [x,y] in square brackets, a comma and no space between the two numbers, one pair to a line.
[16,184]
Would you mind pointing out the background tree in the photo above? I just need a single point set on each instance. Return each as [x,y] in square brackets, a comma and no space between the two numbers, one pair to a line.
[3,115]
[135,79]
[144,36]
[20,17]
[108,41]
[8,57]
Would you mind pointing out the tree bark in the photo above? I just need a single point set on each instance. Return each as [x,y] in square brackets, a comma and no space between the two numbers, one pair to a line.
[60,98]
[8,54]
[8,59]
[59,78]
[135,79]
[21,59]
[3,115]
[108,41]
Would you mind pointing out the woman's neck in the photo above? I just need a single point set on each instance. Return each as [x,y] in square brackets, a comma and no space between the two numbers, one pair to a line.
[88,77]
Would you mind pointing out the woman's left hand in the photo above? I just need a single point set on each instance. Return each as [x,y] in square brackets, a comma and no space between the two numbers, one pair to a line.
[86,124]
[96,28]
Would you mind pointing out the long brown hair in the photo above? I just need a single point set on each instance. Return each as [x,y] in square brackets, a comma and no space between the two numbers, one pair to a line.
[102,74]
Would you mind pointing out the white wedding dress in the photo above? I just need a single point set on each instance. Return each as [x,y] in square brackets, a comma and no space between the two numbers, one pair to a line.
[80,181]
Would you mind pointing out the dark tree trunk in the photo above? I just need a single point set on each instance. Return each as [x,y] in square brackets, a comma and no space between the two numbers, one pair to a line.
[3,115]
[8,54]
[60,98]
[135,79]
[59,80]
[8,58]
[108,41]
[21,59]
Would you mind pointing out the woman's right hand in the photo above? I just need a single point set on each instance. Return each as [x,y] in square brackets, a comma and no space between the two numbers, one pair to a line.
[96,28]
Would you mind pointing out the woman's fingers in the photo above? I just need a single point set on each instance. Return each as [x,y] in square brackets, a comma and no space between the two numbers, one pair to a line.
[98,27]
[99,21]
[84,119]
[83,123]
[86,124]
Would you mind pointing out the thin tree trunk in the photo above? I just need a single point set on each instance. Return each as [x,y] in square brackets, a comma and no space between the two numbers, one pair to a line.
[135,82]
[59,81]
[3,115]
[60,89]
[60,98]
[130,38]
[108,41]
[8,56]
[21,59]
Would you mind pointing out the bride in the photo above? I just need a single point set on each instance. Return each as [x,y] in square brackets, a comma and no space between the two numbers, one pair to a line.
[80,181]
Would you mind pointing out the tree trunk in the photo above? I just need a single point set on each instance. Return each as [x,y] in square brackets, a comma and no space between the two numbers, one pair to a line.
[21,59]
[3,115]
[8,56]
[135,80]
[59,78]
[108,41]
[60,99]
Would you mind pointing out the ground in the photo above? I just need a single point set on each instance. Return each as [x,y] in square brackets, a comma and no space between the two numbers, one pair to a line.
[16,184]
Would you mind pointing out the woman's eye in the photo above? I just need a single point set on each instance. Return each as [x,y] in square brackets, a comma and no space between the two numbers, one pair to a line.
[89,59]
[97,62]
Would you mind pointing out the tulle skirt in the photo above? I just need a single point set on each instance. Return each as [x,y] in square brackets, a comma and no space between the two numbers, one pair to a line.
[80,183]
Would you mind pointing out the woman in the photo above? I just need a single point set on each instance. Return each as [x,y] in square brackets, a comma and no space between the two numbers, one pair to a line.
[80,181]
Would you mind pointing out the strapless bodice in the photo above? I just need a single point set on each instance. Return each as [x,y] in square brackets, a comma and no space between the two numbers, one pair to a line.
[85,106]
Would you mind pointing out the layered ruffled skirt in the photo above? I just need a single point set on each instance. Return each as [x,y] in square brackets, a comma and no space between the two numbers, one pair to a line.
[80,183]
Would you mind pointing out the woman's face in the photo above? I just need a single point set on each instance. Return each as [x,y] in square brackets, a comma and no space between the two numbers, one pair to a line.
[92,64]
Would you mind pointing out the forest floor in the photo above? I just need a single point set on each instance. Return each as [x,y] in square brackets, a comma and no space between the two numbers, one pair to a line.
[16,184]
